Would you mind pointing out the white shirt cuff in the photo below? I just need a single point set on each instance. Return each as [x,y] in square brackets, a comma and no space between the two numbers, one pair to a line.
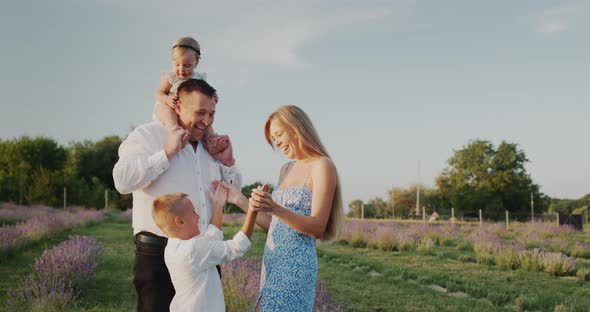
[242,240]
[214,233]
[229,171]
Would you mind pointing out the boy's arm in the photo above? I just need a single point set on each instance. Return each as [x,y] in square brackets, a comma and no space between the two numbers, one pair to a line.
[217,218]
[248,225]
[219,199]
[208,253]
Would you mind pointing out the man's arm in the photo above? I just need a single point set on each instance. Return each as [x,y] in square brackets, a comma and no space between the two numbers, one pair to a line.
[141,162]
[229,171]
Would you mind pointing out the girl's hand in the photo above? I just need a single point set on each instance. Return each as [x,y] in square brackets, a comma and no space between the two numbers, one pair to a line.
[233,194]
[219,198]
[261,200]
[172,101]
[216,143]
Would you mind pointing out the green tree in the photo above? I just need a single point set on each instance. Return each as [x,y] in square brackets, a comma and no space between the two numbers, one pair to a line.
[404,200]
[21,159]
[480,176]
[355,207]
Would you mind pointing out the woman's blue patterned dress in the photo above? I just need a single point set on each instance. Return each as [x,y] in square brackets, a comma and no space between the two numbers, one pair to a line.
[290,265]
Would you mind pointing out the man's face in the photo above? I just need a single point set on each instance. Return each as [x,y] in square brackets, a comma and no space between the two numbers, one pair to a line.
[196,113]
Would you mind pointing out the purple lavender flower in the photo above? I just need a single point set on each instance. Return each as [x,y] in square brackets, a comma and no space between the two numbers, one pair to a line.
[241,286]
[43,225]
[56,275]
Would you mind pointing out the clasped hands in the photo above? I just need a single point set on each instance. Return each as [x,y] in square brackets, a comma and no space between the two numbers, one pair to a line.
[260,198]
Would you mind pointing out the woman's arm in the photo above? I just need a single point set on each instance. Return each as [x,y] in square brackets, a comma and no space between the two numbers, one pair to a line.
[324,185]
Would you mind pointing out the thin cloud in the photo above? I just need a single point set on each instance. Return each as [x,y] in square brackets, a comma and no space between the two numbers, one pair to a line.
[560,19]
[275,36]
[267,32]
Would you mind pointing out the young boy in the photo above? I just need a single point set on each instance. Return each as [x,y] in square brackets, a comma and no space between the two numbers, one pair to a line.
[191,258]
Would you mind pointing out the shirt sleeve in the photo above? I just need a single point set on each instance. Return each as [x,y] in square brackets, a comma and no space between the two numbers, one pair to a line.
[231,175]
[138,165]
[214,233]
[208,253]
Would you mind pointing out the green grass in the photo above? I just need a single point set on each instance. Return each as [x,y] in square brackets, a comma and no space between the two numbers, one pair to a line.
[498,287]
[10,221]
[361,279]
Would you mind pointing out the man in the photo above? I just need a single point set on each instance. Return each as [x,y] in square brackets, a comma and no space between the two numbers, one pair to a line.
[152,162]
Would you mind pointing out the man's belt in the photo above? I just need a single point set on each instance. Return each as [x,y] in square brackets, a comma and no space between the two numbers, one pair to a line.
[149,238]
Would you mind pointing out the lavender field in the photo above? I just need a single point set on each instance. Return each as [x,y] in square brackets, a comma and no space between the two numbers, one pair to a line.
[375,266]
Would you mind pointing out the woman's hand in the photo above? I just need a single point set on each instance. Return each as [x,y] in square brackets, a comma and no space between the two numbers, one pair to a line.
[233,194]
[219,198]
[261,200]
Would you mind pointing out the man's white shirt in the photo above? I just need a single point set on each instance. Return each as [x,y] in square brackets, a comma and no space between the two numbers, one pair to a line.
[144,169]
[191,264]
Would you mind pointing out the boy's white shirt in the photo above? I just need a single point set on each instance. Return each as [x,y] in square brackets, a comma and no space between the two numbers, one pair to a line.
[192,268]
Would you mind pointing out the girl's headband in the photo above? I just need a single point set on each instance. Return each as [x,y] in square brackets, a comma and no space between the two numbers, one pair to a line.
[187,47]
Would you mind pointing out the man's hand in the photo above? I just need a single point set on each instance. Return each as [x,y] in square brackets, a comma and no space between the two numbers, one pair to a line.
[177,139]
[225,156]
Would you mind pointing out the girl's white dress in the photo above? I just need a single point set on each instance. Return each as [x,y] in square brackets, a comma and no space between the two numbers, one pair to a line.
[175,81]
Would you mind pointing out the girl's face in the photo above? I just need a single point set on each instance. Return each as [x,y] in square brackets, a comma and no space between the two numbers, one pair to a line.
[184,66]
[284,139]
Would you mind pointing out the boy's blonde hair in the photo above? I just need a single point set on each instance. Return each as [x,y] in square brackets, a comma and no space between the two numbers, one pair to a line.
[165,209]
[184,44]
[297,121]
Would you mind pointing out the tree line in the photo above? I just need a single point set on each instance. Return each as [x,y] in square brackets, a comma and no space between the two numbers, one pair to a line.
[36,171]
[478,176]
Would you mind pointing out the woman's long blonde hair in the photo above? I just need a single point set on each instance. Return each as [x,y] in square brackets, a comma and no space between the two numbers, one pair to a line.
[310,144]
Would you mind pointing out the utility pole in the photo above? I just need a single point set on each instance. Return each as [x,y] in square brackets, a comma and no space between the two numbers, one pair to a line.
[532,208]
[65,195]
[20,182]
[418,191]
[363,211]
[392,206]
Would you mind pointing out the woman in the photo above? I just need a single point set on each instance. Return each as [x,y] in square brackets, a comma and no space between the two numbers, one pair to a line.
[305,206]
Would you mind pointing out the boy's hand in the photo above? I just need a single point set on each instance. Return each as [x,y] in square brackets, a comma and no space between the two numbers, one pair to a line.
[219,198]
[233,194]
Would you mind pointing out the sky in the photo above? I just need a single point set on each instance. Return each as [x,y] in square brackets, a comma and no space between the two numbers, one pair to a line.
[387,84]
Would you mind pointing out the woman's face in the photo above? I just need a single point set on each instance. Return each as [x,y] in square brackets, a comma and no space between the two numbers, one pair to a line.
[284,139]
